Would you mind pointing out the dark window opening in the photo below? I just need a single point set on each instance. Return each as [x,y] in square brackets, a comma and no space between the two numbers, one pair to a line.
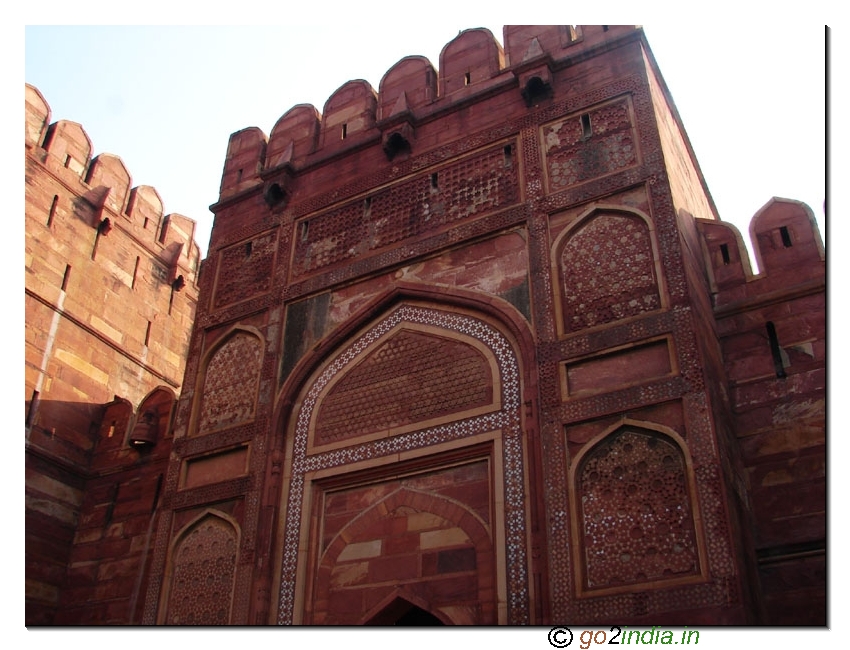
[68,160]
[344,131]
[367,207]
[135,273]
[586,128]
[467,79]
[434,185]
[786,236]
[604,28]
[65,277]
[148,330]
[724,253]
[508,151]
[775,351]
[52,212]
[145,224]
[238,175]
[249,248]
[164,231]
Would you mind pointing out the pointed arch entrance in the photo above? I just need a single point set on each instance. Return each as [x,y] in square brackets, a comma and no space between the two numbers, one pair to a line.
[386,415]
[403,610]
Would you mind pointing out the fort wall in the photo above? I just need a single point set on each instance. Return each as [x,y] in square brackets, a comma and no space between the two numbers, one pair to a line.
[110,295]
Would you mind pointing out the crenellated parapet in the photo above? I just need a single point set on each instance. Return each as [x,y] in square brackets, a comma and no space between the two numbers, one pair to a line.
[101,254]
[412,94]
[64,149]
[787,245]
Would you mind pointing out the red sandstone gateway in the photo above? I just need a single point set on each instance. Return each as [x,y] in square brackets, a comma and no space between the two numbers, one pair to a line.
[471,349]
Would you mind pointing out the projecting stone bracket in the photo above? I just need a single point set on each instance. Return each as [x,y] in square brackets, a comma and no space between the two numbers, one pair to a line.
[535,82]
[277,187]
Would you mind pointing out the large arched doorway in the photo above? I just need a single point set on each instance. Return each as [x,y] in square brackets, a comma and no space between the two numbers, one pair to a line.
[406,467]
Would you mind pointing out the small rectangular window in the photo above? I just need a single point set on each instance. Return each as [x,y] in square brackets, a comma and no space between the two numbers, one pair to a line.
[344,131]
[508,151]
[65,277]
[164,232]
[786,236]
[775,351]
[135,273]
[52,212]
[148,334]
[467,79]
[724,253]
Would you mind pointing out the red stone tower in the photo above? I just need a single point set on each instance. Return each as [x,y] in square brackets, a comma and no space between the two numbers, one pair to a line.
[110,295]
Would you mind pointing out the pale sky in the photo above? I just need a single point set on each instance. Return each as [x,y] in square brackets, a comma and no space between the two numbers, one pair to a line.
[166,99]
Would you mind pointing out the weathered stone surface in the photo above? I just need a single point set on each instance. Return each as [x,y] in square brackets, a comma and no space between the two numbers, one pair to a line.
[474,349]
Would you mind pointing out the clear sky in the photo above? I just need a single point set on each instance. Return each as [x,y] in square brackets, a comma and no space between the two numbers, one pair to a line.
[165,99]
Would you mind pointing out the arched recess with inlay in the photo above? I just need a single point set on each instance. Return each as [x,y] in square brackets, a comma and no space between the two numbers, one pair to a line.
[436,548]
[608,270]
[421,405]
[201,572]
[228,381]
[635,512]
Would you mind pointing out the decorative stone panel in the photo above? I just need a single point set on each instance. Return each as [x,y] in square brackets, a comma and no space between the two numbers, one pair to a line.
[231,382]
[423,532]
[590,144]
[637,522]
[411,377]
[203,573]
[245,269]
[426,203]
[607,272]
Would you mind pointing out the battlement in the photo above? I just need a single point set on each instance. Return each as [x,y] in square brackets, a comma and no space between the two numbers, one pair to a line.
[787,244]
[103,181]
[102,254]
[410,94]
